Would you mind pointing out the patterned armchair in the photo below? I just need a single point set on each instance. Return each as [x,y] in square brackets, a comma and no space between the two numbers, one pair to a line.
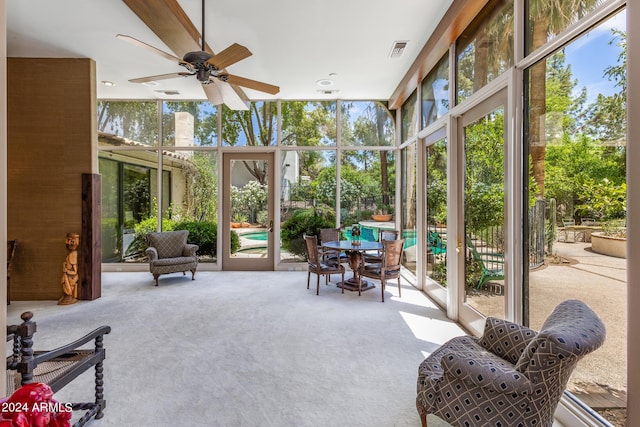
[169,252]
[511,376]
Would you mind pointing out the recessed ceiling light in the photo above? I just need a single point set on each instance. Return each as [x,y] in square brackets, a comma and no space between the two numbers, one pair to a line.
[151,83]
[324,82]
[108,83]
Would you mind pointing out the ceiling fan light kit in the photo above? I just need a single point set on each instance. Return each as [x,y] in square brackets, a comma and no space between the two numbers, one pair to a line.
[206,66]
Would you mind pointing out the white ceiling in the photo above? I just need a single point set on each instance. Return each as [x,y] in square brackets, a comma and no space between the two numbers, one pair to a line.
[294,43]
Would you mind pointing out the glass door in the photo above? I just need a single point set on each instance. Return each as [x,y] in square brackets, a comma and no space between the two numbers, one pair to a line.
[435,215]
[247,209]
[481,135]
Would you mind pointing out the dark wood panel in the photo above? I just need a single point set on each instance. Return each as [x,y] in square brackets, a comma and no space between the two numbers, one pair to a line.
[90,240]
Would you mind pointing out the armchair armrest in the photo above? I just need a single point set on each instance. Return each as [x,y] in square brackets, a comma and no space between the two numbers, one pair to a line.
[41,357]
[152,253]
[190,249]
[487,371]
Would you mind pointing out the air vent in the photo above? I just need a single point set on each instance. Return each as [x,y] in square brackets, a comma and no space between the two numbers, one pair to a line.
[169,92]
[398,48]
[328,92]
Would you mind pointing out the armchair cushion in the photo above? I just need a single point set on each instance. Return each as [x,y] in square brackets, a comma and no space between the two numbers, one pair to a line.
[169,244]
[506,339]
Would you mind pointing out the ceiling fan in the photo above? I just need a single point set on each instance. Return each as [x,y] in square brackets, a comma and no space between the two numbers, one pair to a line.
[167,19]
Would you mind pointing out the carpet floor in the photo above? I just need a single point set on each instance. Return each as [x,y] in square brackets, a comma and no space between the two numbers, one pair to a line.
[248,349]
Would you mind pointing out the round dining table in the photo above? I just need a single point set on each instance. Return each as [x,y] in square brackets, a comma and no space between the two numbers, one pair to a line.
[355,253]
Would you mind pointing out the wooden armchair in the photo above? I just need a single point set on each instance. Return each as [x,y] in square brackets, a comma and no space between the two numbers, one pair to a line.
[331,256]
[315,264]
[376,257]
[389,268]
[57,367]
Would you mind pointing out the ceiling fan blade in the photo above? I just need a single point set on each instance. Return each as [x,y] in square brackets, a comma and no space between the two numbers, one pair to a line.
[213,93]
[160,77]
[155,50]
[252,84]
[169,22]
[233,97]
[229,56]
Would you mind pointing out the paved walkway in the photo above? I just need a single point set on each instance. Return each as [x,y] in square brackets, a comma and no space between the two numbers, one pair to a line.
[600,281]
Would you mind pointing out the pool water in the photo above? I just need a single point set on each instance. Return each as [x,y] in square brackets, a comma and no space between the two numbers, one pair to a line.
[366,236]
[256,235]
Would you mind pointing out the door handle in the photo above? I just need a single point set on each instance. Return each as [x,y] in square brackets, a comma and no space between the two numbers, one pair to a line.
[459,247]
[270,229]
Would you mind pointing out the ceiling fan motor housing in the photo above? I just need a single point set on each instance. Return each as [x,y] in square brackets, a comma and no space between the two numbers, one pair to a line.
[198,61]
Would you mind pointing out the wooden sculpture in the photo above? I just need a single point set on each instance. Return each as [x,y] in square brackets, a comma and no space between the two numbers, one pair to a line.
[70,271]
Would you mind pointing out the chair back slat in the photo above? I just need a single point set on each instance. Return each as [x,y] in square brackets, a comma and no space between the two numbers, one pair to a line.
[329,235]
[311,244]
[392,250]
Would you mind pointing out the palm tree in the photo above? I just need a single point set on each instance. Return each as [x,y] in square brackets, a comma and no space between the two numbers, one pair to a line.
[546,17]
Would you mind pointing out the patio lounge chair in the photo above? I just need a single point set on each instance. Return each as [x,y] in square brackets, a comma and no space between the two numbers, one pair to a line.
[492,264]
[512,375]
[437,245]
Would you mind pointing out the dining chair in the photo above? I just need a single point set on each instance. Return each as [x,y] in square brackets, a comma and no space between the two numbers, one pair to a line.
[331,256]
[317,266]
[376,256]
[390,265]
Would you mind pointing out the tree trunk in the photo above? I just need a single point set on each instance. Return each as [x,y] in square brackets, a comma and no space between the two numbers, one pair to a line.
[538,102]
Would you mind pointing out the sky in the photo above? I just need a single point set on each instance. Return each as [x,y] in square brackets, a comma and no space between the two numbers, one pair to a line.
[591,54]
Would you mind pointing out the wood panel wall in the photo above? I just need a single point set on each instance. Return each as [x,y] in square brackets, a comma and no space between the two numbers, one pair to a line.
[51,142]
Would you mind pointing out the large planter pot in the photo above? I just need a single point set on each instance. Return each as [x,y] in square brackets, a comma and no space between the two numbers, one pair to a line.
[609,245]
[380,218]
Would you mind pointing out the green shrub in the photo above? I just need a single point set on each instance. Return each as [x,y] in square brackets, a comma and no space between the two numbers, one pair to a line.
[141,229]
[305,221]
[205,235]
[201,233]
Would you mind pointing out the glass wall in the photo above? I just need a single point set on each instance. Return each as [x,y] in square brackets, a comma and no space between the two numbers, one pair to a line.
[435,93]
[435,213]
[308,123]
[366,123]
[256,127]
[409,195]
[367,190]
[484,214]
[410,118]
[485,49]
[576,127]
[189,124]
[134,120]
[546,19]
[308,182]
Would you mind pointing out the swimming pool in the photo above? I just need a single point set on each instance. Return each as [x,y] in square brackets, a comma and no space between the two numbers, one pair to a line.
[255,235]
